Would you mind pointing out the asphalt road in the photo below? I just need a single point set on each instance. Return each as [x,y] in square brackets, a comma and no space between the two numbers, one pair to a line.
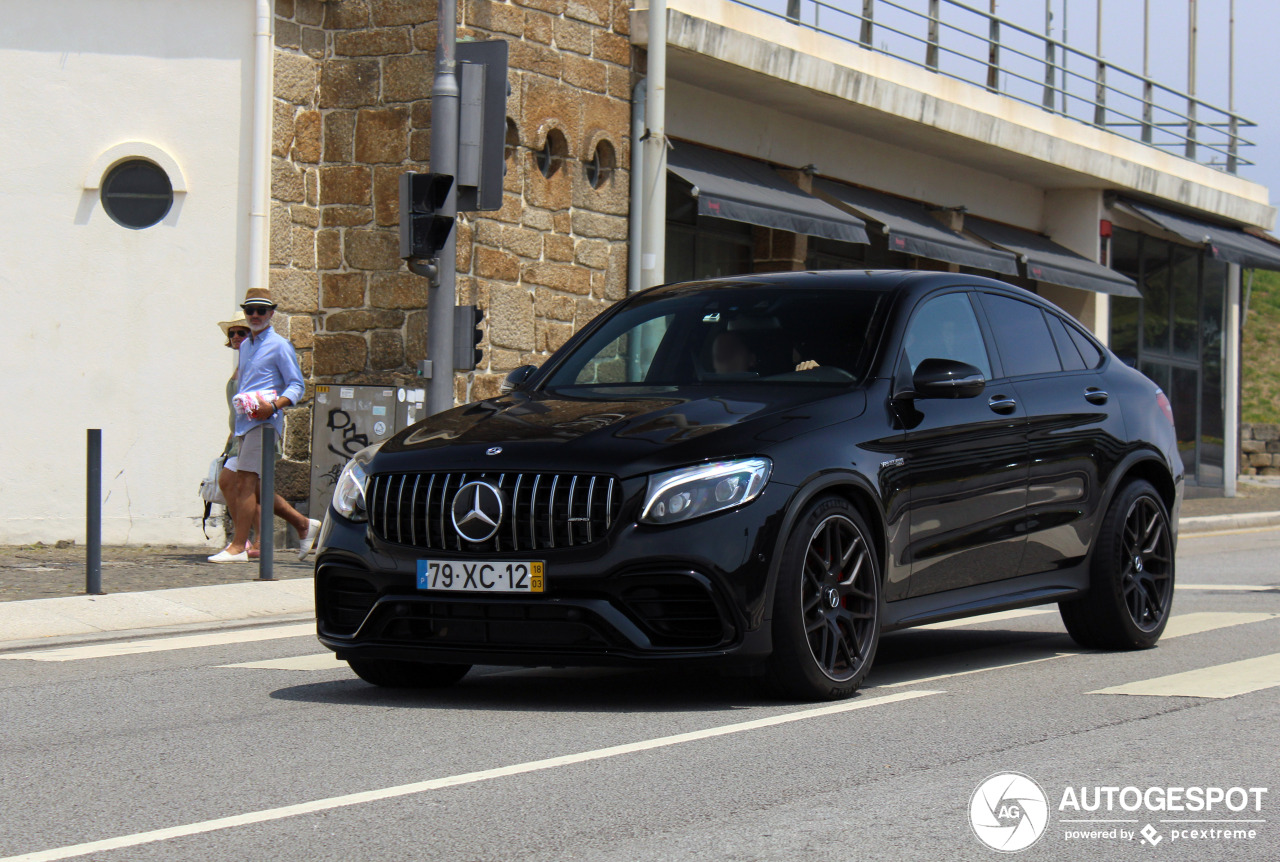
[296,759]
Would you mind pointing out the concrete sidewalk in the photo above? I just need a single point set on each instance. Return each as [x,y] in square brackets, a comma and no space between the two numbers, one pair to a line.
[154,590]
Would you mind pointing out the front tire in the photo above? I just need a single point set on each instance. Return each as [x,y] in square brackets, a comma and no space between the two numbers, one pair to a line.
[826,610]
[1131,579]
[389,673]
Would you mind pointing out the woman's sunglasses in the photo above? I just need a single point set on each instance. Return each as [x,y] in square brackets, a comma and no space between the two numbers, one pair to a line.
[238,333]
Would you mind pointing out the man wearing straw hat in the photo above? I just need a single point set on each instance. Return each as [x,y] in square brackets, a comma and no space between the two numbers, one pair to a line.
[268,364]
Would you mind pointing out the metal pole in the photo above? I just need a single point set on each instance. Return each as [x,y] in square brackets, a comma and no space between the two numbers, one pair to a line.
[267,523]
[444,160]
[1100,93]
[931,52]
[993,50]
[1147,90]
[93,514]
[1190,151]
[1050,63]
[868,23]
[1233,123]
[653,253]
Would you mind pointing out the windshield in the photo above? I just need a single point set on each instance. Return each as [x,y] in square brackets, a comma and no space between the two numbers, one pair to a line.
[730,333]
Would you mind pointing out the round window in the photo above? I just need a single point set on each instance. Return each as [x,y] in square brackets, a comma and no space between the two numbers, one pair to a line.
[137,194]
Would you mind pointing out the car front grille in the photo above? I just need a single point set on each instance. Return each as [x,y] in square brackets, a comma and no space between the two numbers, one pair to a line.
[542,511]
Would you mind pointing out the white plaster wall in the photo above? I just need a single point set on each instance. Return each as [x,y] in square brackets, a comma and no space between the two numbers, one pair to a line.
[104,326]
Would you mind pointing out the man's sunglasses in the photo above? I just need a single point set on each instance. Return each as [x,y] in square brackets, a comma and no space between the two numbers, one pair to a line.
[238,333]
[254,310]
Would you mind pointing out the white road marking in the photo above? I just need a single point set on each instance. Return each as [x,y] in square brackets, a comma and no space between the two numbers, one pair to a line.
[924,679]
[162,644]
[1240,588]
[989,618]
[270,814]
[1181,625]
[1219,681]
[319,661]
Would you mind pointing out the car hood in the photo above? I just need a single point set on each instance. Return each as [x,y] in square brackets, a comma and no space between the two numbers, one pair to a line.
[615,430]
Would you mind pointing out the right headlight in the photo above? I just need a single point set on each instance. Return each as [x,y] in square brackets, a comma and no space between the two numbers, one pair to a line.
[348,494]
[682,495]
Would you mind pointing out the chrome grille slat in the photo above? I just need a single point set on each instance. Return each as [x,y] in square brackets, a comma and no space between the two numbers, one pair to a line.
[538,520]
[573,486]
[413,512]
[515,509]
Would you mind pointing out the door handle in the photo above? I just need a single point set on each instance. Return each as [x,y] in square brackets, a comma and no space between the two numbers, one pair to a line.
[1002,404]
[1094,395]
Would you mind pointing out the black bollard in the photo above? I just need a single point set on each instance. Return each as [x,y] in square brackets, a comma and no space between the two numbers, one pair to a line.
[93,514]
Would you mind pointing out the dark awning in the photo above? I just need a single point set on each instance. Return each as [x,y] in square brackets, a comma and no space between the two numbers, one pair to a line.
[1049,262]
[739,189]
[912,230]
[1225,243]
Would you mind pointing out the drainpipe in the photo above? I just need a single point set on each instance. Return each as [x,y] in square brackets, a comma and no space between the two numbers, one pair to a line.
[260,184]
[635,236]
[1231,384]
[653,250]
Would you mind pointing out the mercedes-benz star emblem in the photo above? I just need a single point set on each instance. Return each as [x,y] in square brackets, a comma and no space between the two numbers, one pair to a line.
[493,450]
[477,511]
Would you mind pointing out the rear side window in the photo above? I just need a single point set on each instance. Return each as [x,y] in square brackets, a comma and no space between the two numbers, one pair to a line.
[1071,359]
[1022,336]
[1088,350]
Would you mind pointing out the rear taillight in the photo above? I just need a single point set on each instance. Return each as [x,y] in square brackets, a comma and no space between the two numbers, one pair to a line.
[1165,406]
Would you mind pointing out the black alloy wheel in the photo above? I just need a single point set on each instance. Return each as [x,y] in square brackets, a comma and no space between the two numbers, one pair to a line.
[1131,589]
[827,606]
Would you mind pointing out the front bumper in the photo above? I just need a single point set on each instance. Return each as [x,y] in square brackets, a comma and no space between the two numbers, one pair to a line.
[691,592]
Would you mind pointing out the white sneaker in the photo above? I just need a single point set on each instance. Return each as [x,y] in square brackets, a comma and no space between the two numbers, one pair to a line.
[309,540]
[224,556]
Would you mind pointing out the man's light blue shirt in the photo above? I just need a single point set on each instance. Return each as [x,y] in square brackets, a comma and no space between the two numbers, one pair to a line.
[268,361]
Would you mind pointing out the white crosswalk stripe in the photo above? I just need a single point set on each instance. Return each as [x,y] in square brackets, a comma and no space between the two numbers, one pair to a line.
[164,644]
[1219,681]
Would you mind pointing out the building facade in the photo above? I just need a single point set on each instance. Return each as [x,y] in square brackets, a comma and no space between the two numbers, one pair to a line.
[849,158]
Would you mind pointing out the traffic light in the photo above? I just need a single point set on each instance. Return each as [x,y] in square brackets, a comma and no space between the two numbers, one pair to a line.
[424,229]
[467,336]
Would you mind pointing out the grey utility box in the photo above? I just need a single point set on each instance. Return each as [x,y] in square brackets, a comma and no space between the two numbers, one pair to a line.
[345,419]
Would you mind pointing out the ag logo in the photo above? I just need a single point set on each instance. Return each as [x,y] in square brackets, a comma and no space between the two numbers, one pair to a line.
[477,511]
[1008,812]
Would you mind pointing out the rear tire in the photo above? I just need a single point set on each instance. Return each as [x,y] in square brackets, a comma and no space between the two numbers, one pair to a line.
[1131,578]
[826,608]
[389,673]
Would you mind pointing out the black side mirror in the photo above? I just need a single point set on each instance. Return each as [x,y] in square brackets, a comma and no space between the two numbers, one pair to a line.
[946,378]
[516,379]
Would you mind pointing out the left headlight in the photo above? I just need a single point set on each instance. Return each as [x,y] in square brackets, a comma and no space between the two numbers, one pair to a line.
[691,492]
[348,494]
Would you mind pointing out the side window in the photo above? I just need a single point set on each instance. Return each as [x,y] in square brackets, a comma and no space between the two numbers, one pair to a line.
[946,328]
[1022,336]
[1071,359]
[1088,350]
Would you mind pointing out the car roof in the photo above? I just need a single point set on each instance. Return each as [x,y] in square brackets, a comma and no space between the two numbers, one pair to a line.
[897,280]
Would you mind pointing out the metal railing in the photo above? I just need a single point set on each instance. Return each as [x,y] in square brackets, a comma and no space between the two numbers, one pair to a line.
[975,46]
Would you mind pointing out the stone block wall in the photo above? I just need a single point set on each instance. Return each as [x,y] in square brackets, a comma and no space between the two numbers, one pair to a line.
[1259,450]
[352,112]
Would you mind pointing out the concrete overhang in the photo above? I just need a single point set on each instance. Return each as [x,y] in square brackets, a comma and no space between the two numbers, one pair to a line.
[729,48]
